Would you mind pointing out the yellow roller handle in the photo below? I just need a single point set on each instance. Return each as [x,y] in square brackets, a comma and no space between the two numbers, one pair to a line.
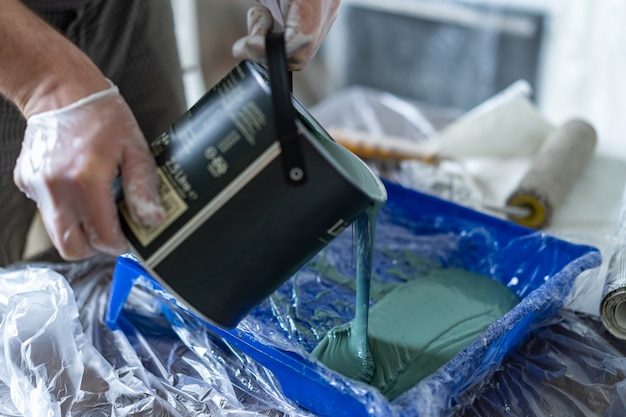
[538,211]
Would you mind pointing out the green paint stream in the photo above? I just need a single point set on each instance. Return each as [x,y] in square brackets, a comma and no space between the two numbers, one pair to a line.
[355,360]
[345,348]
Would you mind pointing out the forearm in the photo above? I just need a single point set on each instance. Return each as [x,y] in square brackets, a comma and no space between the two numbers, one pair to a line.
[41,70]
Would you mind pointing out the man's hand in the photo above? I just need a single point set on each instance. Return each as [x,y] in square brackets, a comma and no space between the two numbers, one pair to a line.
[68,162]
[80,136]
[306,23]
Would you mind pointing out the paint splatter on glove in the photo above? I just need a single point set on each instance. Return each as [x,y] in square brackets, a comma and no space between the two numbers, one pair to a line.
[68,162]
[306,23]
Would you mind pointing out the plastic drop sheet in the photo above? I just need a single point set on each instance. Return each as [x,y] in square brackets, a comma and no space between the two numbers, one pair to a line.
[60,359]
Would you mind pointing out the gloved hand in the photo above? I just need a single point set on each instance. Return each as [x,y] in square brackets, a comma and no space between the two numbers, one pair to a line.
[306,23]
[67,164]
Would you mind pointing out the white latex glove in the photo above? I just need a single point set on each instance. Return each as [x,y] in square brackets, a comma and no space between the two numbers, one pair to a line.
[306,23]
[67,164]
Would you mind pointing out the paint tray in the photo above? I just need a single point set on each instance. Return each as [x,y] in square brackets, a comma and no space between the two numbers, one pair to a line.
[280,333]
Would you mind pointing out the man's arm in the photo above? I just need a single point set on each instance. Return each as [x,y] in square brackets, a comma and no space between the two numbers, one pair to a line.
[41,70]
[80,135]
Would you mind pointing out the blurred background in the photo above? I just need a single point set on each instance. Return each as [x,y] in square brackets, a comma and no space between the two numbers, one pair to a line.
[456,53]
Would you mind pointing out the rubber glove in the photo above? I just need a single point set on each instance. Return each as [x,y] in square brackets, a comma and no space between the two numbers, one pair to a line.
[68,162]
[306,23]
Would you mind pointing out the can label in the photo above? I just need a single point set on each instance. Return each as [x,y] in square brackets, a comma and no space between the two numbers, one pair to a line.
[203,154]
[171,201]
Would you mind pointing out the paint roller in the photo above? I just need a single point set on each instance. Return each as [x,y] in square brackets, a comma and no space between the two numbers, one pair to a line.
[553,172]
[555,167]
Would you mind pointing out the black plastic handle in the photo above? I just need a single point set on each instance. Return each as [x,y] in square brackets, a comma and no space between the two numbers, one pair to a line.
[284,114]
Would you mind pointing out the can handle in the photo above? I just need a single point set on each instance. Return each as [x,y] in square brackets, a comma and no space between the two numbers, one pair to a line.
[284,118]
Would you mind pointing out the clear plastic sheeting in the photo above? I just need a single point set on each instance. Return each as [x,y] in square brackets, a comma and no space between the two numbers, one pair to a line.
[60,359]
[572,367]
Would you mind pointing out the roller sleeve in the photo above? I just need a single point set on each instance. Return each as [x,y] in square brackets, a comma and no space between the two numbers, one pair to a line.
[553,172]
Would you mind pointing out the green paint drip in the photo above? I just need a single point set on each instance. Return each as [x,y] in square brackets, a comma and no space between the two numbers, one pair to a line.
[349,343]
[354,359]
[365,228]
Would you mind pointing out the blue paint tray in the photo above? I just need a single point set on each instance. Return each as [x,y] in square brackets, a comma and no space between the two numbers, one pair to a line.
[280,333]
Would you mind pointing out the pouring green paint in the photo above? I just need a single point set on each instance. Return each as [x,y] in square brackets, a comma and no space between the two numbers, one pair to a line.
[345,348]
[352,356]
[365,227]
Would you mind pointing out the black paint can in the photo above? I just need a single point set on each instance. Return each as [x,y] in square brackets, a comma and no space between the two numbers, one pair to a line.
[253,188]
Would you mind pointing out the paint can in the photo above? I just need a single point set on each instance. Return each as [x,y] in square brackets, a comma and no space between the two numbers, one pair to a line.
[253,188]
